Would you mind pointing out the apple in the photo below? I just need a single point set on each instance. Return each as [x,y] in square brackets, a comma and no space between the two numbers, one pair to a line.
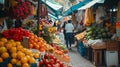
[61,64]
[46,56]
[52,61]
[46,61]
[48,65]
[55,59]
[51,56]
[58,61]
[41,62]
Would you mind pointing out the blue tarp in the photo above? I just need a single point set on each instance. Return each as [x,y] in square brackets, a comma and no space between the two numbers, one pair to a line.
[75,7]
[52,16]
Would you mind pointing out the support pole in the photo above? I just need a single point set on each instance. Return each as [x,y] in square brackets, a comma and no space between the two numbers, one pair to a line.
[38,16]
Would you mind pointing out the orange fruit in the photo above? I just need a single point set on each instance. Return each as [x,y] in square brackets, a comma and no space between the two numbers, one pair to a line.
[36,40]
[8,46]
[19,48]
[18,63]
[28,57]
[36,46]
[18,43]
[5,55]
[13,50]
[31,60]
[9,65]
[2,50]
[14,55]
[13,44]
[1,59]
[13,61]
[36,55]
[28,52]
[30,45]
[3,40]
[19,54]
[25,65]
[1,44]
[24,60]
[11,40]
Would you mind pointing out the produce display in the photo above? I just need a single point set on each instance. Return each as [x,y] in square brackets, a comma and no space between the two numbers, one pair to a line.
[97,33]
[37,43]
[15,53]
[16,33]
[50,60]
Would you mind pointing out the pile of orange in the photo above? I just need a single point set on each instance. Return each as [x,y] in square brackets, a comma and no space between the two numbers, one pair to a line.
[19,55]
[37,43]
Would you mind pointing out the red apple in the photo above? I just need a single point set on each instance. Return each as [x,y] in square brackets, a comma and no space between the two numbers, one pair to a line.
[52,61]
[51,56]
[46,56]
[61,64]
[46,61]
[41,62]
[48,65]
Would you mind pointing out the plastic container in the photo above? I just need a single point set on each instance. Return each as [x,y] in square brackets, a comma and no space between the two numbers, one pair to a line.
[5,62]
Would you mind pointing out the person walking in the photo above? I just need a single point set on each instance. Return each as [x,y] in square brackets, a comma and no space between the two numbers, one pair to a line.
[64,31]
[69,34]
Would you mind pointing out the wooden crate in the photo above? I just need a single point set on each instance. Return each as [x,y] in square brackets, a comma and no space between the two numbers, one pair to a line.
[112,46]
[25,42]
[97,56]
[99,46]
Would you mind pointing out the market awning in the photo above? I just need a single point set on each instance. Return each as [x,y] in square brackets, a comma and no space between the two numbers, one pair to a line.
[90,4]
[53,6]
[75,7]
[52,16]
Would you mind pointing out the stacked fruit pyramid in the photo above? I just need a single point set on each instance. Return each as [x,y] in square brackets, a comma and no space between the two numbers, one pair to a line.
[15,54]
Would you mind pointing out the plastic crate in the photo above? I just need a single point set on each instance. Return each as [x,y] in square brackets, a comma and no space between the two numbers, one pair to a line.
[33,65]
[5,62]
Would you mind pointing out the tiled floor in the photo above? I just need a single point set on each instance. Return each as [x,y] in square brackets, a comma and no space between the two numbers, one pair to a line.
[77,60]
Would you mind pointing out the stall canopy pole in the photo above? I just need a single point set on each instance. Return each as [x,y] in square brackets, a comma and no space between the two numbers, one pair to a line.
[38,16]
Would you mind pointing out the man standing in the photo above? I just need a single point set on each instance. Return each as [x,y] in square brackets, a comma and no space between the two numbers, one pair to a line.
[69,34]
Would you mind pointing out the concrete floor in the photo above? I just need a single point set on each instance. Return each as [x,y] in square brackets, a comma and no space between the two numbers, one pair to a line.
[77,60]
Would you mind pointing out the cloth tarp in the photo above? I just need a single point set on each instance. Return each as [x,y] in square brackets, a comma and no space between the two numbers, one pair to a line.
[75,7]
[90,4]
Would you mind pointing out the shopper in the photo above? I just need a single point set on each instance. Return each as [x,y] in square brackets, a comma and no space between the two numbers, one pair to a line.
[3,24]
[64,31]
[69,34]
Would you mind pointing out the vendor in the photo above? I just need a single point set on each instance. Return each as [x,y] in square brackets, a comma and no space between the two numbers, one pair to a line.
[3,25]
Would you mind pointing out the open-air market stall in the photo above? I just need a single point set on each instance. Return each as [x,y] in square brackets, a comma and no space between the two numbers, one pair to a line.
[22,48]
[99,38]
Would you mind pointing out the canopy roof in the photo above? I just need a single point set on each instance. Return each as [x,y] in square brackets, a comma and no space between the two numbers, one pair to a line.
[90,4]
[75,7]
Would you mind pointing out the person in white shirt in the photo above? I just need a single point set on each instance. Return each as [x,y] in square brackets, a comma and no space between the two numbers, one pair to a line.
[69,34]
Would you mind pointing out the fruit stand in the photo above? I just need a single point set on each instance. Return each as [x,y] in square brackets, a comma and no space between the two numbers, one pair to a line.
[100,40]
[23,48]
[14,53]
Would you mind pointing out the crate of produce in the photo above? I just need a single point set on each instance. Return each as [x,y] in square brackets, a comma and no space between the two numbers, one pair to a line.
[112,45]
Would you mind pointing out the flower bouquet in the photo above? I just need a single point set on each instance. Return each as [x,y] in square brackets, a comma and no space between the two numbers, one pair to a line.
[22,10]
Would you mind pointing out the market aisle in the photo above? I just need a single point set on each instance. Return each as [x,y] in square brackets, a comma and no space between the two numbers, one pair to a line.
[77,60]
